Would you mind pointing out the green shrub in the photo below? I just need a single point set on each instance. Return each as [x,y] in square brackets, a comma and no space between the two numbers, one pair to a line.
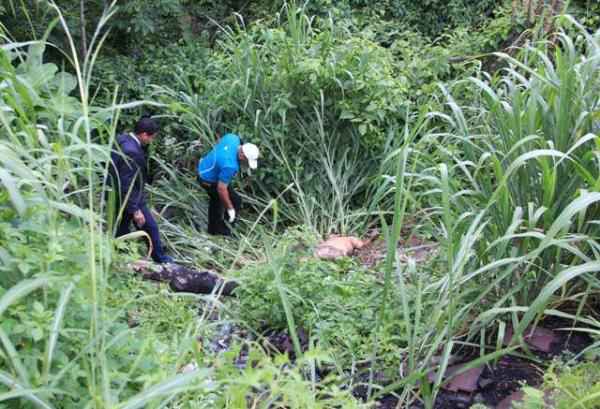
[335,303]
[61,342]
[566,387]
[312,98]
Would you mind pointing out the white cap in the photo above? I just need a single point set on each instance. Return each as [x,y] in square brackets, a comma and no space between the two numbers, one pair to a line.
[251,153]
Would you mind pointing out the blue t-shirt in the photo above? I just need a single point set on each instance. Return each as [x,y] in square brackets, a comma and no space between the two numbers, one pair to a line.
[221,163]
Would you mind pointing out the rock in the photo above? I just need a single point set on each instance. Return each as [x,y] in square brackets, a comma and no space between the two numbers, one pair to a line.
[466,381]
[539,338]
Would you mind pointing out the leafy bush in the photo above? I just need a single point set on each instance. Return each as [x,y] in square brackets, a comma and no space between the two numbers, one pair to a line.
[431,17]
[336,303]
[566,387]
[308,96]
[60,341]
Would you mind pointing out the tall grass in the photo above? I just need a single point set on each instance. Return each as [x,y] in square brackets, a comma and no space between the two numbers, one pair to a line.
[53,167]
[508,186]
[55,155]
[533,147]
[511,184]
[320,105]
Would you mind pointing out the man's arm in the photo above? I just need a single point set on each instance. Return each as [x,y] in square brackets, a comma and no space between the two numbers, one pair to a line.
[131,180]
[224,195]
[226,175]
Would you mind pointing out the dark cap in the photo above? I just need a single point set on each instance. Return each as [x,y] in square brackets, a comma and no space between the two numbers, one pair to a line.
[146,125]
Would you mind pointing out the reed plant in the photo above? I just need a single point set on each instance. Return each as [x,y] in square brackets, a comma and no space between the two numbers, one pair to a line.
[509,185]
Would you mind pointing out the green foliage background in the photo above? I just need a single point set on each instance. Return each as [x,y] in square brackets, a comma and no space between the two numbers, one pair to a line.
[363,114]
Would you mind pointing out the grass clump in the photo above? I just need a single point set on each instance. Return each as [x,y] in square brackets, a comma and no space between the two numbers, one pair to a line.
[334,303]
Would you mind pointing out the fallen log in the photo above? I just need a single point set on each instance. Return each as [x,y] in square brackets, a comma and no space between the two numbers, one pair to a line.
[184,279]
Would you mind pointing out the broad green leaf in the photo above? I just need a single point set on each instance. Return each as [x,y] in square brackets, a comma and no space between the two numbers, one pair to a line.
[20,290]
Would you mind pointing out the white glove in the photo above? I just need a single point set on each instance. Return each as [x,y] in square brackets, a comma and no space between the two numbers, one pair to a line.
[231,214]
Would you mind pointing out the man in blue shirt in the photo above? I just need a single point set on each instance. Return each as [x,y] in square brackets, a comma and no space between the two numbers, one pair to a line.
[216,170]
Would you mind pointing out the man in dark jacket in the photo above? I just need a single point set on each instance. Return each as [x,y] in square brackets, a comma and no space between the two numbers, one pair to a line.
[129,173]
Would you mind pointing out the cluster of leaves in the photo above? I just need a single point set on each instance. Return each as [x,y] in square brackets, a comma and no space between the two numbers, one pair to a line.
[50,329]
[136,26]
[588,12]
[335,303]
[565,387]
[268,381]
[430,18]
[46,86]
[322,97]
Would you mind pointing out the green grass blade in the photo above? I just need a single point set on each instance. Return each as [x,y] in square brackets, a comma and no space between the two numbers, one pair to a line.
[13,355]
[14,384]
[21,290]
[54,330]
[174,385]
[546,293]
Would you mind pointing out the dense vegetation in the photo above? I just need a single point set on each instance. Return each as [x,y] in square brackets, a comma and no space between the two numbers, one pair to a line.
[469,125]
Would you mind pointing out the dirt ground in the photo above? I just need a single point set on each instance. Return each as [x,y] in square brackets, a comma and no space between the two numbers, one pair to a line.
[498,384]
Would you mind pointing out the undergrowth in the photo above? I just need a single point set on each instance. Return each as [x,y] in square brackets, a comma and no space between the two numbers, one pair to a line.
[500,170]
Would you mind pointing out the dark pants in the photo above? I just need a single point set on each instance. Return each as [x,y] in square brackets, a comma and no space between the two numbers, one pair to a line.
[149,227]
[216,210]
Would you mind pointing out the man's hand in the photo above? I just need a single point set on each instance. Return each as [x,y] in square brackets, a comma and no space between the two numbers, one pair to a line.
[231,215]
[139,219]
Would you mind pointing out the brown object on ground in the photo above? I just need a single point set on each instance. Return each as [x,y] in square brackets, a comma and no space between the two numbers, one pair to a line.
[538,338]
[466,381]
[338,246]
[184,279]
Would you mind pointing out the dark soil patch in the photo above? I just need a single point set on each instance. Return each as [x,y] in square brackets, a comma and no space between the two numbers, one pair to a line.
[505,377]
[282,342]
[495,384]
[566,341]
[387,402]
